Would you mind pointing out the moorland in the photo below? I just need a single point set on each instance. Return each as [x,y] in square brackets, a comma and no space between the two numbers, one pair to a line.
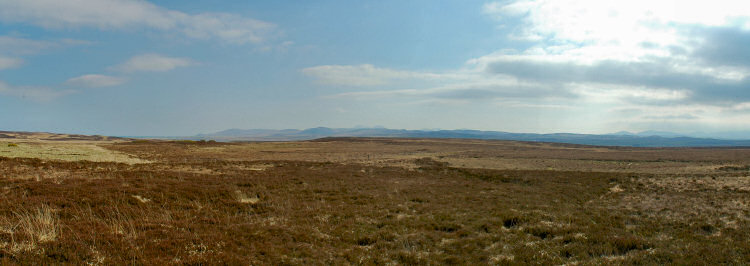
[100,200]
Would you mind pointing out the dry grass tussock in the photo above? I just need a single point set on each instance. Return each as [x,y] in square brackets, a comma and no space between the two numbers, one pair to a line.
[28,230]
[40,225]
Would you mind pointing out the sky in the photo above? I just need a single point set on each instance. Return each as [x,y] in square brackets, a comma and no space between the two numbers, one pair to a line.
[178,68]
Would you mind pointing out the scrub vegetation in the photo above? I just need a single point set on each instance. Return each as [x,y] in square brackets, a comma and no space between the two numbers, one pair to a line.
[377,201]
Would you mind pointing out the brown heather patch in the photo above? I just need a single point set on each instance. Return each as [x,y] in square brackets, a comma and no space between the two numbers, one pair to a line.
[500,155]
[213,203]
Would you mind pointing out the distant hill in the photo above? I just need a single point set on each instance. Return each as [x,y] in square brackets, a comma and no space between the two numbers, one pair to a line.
[643,139]
[18,135]
[726,135]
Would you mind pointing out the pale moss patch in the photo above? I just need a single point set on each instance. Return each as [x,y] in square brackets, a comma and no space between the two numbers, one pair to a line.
[244,198]
[141,198]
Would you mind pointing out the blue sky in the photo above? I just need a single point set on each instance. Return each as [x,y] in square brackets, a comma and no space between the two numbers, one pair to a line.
[132,67]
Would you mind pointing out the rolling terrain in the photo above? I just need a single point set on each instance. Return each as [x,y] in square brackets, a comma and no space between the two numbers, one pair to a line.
[369,201]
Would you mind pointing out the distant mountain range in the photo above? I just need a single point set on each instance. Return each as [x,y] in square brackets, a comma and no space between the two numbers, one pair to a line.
[642,139]
[731,135]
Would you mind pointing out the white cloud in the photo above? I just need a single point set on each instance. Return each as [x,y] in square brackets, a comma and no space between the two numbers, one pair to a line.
[369,75]
[743,106]
[153,63]
[617,22]
[6,62]
[96,81]
[129,14]
[594,30]
[657,50]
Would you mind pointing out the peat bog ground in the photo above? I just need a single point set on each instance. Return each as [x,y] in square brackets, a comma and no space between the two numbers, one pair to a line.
[373,201]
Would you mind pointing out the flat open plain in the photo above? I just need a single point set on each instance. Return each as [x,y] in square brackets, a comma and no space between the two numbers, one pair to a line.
[98,200]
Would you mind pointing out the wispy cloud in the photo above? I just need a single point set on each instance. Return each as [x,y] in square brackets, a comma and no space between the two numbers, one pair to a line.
[476,88]
[140,63]
[227,27]
[17,45]
[369,75]
[46,94]
[671,117]
[153,63]
[23,46]
[136,14]
[95,81]
[354,75]
[6,62]
[40,94]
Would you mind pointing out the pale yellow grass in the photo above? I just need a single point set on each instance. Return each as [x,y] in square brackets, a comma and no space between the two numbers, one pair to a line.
[64,151]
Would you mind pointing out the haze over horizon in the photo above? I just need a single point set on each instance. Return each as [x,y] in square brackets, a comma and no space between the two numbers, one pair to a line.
[179,68]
